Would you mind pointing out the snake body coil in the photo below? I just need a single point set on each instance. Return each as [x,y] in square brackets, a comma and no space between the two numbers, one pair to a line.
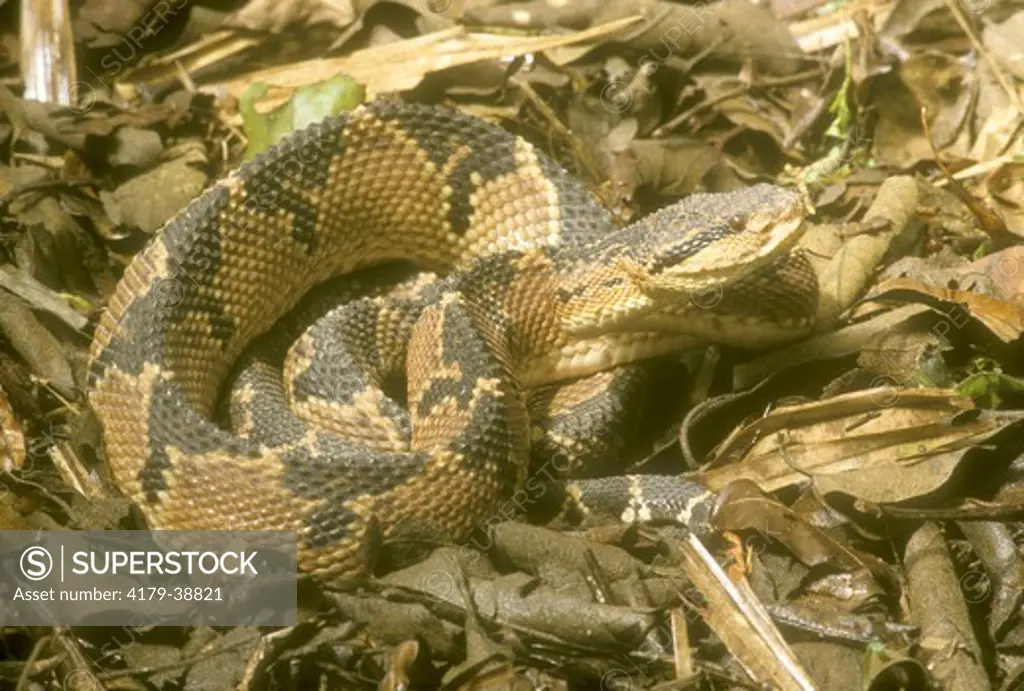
[540,288]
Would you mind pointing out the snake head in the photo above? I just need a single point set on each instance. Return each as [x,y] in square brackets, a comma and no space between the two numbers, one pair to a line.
[671,260]
[723,239]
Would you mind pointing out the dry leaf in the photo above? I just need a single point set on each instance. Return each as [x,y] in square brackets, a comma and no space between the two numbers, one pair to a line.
[990,290]
[179,180]
[887,444]
[274,16]
[401,66]
[12,439]
[35,344]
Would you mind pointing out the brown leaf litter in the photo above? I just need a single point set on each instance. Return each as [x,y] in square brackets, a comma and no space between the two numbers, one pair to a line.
[868,477]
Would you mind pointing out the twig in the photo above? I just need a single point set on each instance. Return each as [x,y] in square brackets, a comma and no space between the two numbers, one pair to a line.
[988,219]
[178,664]
[545,110]
[765,83]
[27,670]
[1000,75]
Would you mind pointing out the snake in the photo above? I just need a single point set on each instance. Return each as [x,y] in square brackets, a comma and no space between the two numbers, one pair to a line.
[537,287]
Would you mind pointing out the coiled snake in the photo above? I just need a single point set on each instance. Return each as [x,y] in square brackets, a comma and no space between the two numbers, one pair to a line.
[540,288]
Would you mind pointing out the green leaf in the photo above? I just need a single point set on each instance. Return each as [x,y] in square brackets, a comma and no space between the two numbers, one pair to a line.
[987,386]
[839,107]
[309,104]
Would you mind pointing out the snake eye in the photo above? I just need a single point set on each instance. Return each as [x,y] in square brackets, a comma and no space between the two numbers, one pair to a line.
[737,222]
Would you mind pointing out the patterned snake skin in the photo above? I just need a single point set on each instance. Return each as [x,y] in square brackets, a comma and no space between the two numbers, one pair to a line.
[539,287]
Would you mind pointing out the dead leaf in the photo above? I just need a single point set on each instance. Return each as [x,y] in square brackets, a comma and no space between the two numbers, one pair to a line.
[12,440]
[906,15]
[35,344]
[1003,43]
[840,25]
[220,659]
[105,23]
[908,354]
[40,297]
[731,31]
[274,16]
[743,506]
[675,166]
[936,83]
[137,147]
[913,471]
[883,445]
[401,66]
[990,290]
[1006,191]
[179,181]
